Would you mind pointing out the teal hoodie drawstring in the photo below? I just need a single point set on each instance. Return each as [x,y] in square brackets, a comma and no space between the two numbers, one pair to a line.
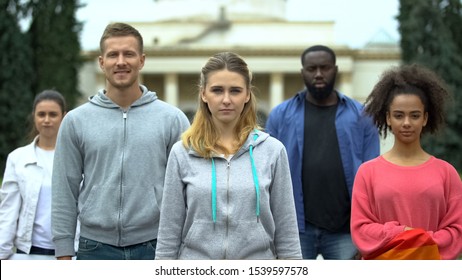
[214,192]
[255,180]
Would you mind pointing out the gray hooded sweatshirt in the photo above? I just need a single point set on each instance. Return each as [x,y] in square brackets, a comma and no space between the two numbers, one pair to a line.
[121,155]
[188,228]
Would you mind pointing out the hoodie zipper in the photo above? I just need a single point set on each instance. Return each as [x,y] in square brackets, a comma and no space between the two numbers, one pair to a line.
[227,211]
[124,116]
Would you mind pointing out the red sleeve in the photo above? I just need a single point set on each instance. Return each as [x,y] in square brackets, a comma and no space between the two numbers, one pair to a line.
[367,232]
[449,235]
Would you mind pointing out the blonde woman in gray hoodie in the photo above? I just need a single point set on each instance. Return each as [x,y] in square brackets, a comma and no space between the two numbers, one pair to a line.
[227,191]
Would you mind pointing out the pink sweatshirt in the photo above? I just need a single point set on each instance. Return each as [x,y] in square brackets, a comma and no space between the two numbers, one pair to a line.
[388,197]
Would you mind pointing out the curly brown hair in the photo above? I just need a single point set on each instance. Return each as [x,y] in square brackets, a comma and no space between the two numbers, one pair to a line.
[408,79]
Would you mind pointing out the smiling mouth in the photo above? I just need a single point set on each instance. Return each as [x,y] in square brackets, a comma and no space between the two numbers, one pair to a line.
[121,72]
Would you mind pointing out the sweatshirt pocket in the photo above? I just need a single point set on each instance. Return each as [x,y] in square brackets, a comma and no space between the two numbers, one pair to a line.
[249,240]
[100,208]
[140,208]
[204,240]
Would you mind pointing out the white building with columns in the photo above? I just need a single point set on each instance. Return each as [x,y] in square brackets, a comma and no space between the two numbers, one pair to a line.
[184,33]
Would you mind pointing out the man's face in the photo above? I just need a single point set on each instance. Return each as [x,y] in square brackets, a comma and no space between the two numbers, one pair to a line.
[319,72]
[121,61]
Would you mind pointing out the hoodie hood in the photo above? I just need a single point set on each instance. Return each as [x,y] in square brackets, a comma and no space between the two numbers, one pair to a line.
[101,99]
[254,139]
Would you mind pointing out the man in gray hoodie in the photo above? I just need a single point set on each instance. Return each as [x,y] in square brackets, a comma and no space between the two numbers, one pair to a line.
[110,160]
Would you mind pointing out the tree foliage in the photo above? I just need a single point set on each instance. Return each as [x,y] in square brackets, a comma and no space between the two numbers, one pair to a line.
[431,34]
[54,33]
[43,55]
[16,78]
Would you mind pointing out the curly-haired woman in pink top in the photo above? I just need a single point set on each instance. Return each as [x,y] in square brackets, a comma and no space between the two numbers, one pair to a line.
[407,204]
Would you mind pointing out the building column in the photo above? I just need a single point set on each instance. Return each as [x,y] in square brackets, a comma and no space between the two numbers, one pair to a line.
[276,89]
[171,89]
[345,83]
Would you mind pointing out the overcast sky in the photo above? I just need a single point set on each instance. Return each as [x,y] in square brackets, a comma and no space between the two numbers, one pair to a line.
[356,21]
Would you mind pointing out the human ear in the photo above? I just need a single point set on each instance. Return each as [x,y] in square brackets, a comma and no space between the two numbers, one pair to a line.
[142,60]
[203,95]
[388,119]
[101,62]
[248,97]
[425,119]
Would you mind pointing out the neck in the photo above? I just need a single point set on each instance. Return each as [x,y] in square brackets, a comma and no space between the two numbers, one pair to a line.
[407,155]
[46,143]
[228,139]
[124,97]
[330,100]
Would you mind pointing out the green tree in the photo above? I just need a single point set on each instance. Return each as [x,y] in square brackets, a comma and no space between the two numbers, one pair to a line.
[46,54]
[431,34]
[54,33]
[16,77]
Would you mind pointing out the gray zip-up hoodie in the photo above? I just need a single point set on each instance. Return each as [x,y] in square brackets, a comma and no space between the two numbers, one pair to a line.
[187,228]
[122,156]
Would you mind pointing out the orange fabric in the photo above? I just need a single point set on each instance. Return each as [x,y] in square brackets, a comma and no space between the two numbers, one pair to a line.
[413,244]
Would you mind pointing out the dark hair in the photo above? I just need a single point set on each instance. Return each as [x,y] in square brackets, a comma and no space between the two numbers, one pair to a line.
[317,48]
[48,94]
[408,79]
[119,29]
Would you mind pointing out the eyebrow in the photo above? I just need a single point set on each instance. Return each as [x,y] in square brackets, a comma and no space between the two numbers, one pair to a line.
[232,87]
[401,111]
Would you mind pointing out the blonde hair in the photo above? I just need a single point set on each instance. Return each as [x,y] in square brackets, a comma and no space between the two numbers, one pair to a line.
[203,136]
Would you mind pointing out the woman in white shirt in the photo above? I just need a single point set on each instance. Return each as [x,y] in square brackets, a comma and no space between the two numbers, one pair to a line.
[25,196]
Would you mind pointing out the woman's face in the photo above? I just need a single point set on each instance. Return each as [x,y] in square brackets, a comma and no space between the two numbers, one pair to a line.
[407,117]
[47,118]
[226,94]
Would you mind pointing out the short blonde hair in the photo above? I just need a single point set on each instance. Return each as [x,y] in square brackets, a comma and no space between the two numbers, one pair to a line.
[119,29]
